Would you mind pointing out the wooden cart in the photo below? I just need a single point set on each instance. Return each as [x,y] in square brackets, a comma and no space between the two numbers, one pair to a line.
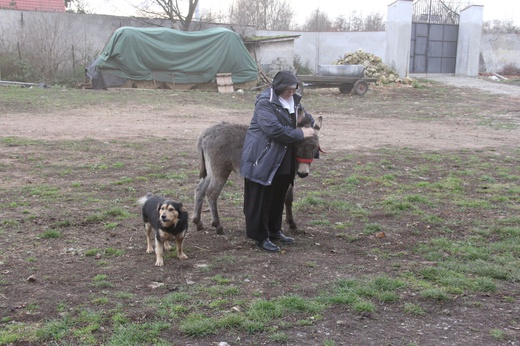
[345,84]
[347,78]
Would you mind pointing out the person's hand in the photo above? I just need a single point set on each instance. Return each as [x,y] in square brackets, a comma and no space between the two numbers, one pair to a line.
[307,132]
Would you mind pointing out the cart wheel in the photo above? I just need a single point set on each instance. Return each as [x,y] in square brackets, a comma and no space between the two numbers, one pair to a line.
[346,88]
[360,87]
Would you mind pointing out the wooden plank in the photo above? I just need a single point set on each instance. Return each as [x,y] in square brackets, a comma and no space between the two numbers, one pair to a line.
[224,83]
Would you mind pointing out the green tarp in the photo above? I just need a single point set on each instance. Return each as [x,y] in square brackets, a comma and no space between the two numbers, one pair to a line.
[168,55]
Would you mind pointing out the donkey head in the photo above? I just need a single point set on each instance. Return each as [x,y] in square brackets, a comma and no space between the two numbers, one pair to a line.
[307,150]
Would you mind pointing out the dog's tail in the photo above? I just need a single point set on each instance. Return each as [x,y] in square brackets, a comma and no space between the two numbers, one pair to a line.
[143,199]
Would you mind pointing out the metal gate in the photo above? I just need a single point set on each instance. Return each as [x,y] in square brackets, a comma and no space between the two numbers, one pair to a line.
[435,31]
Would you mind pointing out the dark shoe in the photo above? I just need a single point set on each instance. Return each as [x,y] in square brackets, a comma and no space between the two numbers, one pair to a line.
[267,245]
[281,238]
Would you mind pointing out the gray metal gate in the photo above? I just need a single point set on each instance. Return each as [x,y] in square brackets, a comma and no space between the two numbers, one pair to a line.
[435,31]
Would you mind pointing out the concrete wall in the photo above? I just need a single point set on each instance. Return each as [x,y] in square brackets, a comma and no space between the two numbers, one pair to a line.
[468,45]
[273,54]
[324,48]
[498,51]
[399,36]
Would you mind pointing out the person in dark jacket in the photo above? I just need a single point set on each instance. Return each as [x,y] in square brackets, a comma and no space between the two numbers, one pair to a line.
[268,160]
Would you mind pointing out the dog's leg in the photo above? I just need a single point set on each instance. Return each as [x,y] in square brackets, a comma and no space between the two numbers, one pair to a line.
[167,245]
[200,193]
[148,231]
[159,249]
[179,239]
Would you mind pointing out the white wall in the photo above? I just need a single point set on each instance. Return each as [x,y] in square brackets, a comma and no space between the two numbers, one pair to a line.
[469,42]
[498,51]
[399,36]
[324,48]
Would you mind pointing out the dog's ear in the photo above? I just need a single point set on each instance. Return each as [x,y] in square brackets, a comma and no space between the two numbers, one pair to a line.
[159,205]
[179,206]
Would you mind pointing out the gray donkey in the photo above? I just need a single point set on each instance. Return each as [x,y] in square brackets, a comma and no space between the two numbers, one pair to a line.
[220,152]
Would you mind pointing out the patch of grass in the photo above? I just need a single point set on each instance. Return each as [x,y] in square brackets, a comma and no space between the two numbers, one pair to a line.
[138,334]
[413,309]
[219,279]
[198,325]
[358,293]
[372,228]
[497,334]
[110,214]
[42,190]
[222,290]
[107,252]
[264,311]
[110,225]
[279,337]
[437,294]
[123,181]
[50,234]
[351,238]
[101,281]
[363,306]
[10,223]
[17,141]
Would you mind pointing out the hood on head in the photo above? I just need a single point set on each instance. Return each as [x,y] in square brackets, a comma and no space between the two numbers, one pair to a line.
[282,80]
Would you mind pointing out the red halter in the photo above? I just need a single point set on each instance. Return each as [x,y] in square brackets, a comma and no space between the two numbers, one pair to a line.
[302,160]
[309,161]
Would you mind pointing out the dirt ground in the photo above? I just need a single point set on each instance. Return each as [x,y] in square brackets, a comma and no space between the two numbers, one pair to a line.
[363,132]
[62,274]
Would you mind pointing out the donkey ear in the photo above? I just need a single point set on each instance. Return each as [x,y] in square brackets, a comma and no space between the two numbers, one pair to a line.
[300,117]
[317,123]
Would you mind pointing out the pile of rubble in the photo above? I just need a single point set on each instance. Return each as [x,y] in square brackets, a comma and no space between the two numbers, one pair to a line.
[374,67]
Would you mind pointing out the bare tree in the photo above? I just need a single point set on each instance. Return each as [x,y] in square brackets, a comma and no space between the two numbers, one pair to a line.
[356,22]
[318,21]
[374,22]
[262,14]
[500,27]
[180,13]
[77,6]
[340,24]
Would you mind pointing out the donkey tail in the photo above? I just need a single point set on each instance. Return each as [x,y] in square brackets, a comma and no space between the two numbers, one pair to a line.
[202,161]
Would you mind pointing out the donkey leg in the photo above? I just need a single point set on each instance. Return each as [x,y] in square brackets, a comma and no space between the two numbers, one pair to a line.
[200,193]
[288,208]
[212,193]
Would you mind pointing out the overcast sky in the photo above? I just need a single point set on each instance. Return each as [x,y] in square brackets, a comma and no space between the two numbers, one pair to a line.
[493,9]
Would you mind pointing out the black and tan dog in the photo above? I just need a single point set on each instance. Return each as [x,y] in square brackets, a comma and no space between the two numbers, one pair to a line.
[168,220]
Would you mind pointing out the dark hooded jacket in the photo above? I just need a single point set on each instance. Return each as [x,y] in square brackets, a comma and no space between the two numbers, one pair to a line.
[270,132]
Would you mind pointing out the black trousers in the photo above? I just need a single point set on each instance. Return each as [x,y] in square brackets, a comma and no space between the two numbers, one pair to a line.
[263,206]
